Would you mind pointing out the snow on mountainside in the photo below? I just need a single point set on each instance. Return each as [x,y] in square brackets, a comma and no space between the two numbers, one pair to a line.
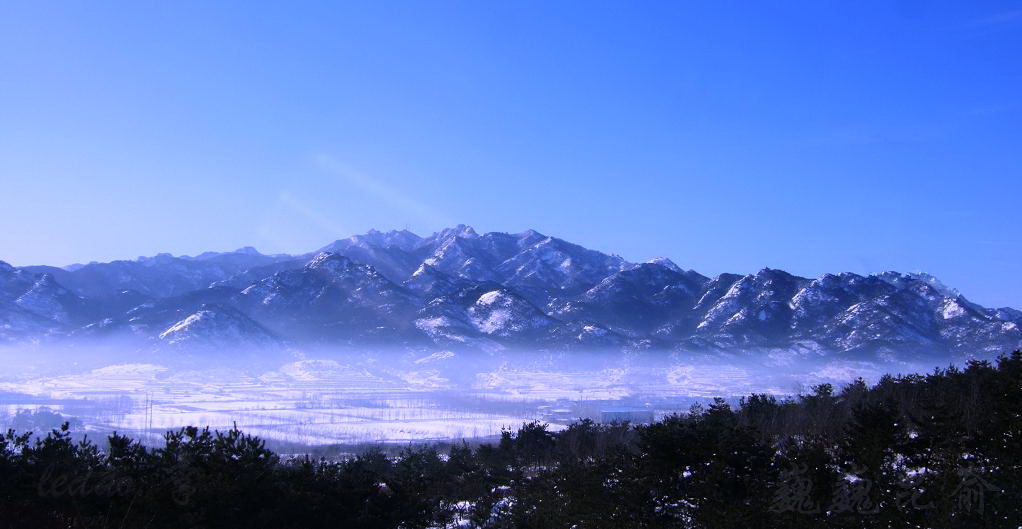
[49,299]
[461,289]
[502,313]
[637,301]
[666,263]
[391,253]
[332,299]
[214,326]
[16,321]
[14,281]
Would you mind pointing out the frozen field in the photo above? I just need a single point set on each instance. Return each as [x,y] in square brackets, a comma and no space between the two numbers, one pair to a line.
[398,398]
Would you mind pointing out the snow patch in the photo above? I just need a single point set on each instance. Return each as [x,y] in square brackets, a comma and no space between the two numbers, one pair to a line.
[490,298]
[952,310]
[494,321]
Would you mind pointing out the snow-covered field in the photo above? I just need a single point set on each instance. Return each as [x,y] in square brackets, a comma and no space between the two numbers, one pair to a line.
[398,398]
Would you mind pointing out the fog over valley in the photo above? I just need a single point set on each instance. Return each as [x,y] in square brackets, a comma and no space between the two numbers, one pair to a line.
[353,397]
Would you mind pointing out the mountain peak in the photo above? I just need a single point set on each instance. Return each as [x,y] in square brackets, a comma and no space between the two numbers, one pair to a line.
[666,263]
[768,273]
[531,233]
[159,258]
[216,325]
[403,239]
[904,280]
[461,230]
[330,262]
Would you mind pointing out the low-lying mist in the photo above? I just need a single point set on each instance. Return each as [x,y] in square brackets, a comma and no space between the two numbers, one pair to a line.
[343,396]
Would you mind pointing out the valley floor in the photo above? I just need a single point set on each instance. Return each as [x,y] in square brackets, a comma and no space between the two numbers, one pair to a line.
[354,398]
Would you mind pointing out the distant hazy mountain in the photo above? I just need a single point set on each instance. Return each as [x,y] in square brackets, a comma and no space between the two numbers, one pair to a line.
[460,289]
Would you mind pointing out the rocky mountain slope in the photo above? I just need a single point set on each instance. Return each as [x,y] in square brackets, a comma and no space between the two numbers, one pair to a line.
[460,289]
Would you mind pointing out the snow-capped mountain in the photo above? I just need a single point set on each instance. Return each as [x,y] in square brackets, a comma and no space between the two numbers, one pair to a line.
[460,289]
[330,299]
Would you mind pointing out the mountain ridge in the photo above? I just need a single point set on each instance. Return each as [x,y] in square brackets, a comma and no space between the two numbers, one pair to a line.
[461,289]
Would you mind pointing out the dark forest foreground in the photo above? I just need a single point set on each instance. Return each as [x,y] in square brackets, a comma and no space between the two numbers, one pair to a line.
[938,450]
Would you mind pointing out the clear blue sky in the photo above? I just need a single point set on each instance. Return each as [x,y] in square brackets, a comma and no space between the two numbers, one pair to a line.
[810,136]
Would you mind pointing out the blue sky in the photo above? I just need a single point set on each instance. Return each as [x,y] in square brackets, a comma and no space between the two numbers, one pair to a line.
[809,136]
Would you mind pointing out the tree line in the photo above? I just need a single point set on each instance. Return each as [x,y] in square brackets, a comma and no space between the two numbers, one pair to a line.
[936,450]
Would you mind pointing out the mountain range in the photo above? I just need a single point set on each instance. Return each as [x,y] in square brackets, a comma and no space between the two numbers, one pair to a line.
[458,289]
